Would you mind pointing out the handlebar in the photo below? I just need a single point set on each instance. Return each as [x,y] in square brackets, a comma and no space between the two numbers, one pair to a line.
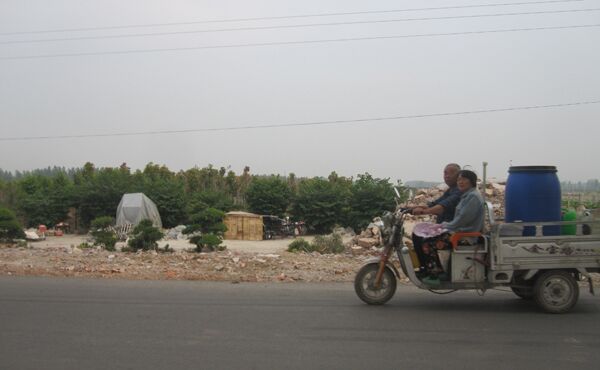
[405,210]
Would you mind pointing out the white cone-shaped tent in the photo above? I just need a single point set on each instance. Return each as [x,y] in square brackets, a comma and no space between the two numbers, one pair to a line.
[135,207]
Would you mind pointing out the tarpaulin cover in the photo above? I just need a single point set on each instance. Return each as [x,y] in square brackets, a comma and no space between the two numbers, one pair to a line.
[135,207]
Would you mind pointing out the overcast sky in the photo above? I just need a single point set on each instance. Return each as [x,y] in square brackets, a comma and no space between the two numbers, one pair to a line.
[89,87]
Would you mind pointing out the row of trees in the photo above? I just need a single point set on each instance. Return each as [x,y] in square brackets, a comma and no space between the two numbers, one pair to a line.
[39,198]
[589,185]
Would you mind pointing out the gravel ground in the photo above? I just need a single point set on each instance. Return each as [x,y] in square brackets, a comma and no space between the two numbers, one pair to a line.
[242,261]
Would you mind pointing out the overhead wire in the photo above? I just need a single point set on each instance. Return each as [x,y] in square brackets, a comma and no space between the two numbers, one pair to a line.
[257,28]
[301,42]
[300,124]
[286,17]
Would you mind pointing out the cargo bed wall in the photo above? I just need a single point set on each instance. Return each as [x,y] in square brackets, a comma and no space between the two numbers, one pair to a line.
[546,252]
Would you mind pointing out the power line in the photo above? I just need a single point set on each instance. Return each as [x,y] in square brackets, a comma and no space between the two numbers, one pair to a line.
[287,17]
[301,124]
[295,26]
[302,42]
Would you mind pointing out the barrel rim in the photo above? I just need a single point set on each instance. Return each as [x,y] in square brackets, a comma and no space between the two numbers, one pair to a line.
[532,169]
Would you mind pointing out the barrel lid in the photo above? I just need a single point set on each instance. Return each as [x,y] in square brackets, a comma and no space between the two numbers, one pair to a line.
[532,169]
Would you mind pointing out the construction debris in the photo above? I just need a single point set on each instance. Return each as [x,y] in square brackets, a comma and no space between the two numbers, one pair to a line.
[179,265]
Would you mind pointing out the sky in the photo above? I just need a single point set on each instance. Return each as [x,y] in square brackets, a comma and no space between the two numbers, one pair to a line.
[393,88]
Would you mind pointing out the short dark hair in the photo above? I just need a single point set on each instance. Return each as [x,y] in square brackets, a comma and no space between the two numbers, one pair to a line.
[455,165]
[469,175]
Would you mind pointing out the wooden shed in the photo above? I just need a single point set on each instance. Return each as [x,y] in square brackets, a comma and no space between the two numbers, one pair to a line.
[243,226]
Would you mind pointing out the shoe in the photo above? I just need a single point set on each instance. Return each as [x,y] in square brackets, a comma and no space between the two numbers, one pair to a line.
[444,276]
[431,281]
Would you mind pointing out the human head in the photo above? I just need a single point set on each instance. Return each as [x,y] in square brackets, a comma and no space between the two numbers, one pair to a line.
[466,180]
[451,173]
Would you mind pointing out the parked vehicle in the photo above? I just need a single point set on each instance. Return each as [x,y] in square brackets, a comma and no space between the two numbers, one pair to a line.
[277,227]
[545,268]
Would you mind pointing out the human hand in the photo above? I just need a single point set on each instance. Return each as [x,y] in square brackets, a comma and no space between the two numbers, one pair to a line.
[418,211]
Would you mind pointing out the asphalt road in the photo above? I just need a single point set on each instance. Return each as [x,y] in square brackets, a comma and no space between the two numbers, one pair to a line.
[56,323]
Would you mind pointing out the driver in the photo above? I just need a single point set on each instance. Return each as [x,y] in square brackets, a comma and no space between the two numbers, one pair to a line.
[443,207]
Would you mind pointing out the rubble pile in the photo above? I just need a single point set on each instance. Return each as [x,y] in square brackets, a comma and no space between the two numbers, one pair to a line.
[230,266]
[176,233]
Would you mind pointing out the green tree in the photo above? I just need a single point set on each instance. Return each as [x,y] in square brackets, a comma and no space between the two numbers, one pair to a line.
[268,196]
[9,226]
[206,229]
[145,236]
[43,199]
[102,233]
[369,197]
[209,199]
[32,199]
[98,192]
[165,189]
[8,194]
[319,203]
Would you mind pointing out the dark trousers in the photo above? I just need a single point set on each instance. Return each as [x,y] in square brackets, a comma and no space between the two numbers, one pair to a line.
[418,245]
[426,249]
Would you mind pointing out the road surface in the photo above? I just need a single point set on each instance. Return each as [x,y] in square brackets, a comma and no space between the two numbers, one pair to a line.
[60,323]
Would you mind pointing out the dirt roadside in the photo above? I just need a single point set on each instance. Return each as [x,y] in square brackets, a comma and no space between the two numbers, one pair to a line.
[242,261]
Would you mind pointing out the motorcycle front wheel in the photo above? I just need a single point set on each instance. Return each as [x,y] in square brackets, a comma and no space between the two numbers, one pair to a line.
[364,284]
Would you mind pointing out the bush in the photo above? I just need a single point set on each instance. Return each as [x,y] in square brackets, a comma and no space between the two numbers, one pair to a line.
[210,242]
[103,234]
[207,229]
[322,244]
[328,244]
[299,245]
[145,236]
[9,226]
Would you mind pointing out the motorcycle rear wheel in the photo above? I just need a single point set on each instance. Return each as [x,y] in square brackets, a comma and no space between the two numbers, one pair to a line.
[364,285]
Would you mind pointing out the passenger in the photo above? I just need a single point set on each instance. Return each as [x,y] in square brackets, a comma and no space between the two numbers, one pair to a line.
[470,210]
[469,217]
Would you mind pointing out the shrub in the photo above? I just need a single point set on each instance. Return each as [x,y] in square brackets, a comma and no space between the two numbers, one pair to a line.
[207,229]
[84,245]
[145,236]
[321,244]
[328,244]
[209,242]
[103,234]
[9,226]
[299,245]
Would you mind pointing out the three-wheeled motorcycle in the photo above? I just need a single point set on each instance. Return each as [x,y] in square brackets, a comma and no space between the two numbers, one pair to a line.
[545,268]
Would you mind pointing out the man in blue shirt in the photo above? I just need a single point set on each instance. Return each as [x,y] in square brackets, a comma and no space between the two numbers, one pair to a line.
[445,206]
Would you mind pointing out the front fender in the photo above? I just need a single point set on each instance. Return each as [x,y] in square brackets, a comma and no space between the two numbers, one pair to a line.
[410,271]
[376,260]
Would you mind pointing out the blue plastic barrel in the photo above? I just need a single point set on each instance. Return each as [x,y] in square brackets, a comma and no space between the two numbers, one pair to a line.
[533,195]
